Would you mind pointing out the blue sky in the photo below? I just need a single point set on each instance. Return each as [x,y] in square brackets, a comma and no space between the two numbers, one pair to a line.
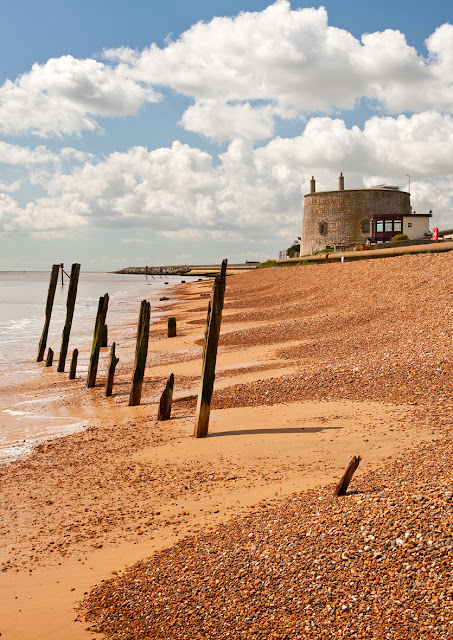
[130,134]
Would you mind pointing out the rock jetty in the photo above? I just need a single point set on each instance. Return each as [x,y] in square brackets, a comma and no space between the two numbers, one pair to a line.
[156,271]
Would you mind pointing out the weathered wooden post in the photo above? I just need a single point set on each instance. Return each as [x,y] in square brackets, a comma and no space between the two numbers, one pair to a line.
[141,351]
[171,329]
[70,304]
[104,334]
[342,486]
[111,373]
[49,305]
[49,359]
[211,342]
[166,400]
[97,340]
[73,368]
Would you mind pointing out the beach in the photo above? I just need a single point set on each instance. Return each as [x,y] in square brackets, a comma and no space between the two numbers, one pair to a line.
[315,364]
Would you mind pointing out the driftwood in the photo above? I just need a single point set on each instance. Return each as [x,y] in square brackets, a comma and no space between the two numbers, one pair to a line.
[70,304]
[72,370]
[141,351]
[49,305]
[342,486]
[211,342]
[111,373]
[166,400]
[49,359]
[171,328]
[97,340]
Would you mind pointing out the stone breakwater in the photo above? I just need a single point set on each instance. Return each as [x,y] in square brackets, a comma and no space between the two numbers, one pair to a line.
[374,564]
[156,271]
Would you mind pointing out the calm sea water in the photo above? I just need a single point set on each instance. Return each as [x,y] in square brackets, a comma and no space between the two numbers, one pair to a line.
[23,298]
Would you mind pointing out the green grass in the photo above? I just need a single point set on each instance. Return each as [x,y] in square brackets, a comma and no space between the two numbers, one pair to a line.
[267,264]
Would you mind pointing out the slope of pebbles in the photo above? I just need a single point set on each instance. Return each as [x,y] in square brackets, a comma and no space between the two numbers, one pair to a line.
[374,564]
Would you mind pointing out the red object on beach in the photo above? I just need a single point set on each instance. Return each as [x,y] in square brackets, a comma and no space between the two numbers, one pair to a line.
[435,234]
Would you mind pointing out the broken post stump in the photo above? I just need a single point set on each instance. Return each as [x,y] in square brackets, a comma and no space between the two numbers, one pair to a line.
[49,305]
[342,486]
[166,400]
[70,304]
[111,372]
[73,368]
[49,358]
[211,342]
[141,351]
[97,340]
[171,329]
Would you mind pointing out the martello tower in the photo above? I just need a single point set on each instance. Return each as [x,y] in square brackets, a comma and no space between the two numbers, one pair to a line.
[342,218]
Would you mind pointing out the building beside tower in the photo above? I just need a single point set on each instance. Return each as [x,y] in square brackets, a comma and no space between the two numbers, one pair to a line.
[348,217]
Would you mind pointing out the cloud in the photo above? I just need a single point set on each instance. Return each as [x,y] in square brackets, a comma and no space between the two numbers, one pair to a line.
[180,193]
[221,121]
[241,72]
[15,154]
[65,95]
[11,187]
[283,62]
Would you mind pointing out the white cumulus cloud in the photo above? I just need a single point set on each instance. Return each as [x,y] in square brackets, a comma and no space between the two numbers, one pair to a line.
[241,72]
[64,96]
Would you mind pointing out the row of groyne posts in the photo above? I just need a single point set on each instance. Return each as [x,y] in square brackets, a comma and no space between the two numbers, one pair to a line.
[210,345]
[211,341]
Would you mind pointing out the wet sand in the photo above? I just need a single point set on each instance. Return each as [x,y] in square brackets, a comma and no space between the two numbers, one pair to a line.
[292,405]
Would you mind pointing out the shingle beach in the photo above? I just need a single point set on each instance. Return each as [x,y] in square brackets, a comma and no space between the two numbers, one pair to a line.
[238,535]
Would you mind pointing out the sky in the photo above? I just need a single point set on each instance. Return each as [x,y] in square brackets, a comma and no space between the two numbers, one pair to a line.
[187,132]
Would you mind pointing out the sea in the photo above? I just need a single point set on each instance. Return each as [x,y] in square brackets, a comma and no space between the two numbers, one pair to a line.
[23,296]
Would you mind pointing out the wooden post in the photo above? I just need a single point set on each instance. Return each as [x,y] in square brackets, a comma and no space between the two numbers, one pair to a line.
[166,400]
[70,304]
[211,342]
[49,358]
[97,340]
[342,486]
[141,351]
[49,305]
[111,373]
[98,314]
[171,329]
[104,336]
[72,370]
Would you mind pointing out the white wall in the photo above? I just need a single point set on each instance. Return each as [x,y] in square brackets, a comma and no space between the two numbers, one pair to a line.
[419,226]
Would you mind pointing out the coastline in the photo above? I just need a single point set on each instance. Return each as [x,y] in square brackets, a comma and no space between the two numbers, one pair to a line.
[25,421]
[95,502]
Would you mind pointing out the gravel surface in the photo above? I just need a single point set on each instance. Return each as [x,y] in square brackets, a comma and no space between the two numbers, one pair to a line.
[374,564]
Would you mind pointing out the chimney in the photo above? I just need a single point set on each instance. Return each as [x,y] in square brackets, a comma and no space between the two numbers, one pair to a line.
[312,185]
[341,182]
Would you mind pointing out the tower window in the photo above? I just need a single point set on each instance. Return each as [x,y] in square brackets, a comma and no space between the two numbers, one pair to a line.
[365,226]
[323,228]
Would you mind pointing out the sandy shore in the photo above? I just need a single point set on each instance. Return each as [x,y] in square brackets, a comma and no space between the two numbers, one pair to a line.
[316,364]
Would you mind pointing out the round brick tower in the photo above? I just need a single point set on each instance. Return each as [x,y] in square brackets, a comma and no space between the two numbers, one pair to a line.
[342,218]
